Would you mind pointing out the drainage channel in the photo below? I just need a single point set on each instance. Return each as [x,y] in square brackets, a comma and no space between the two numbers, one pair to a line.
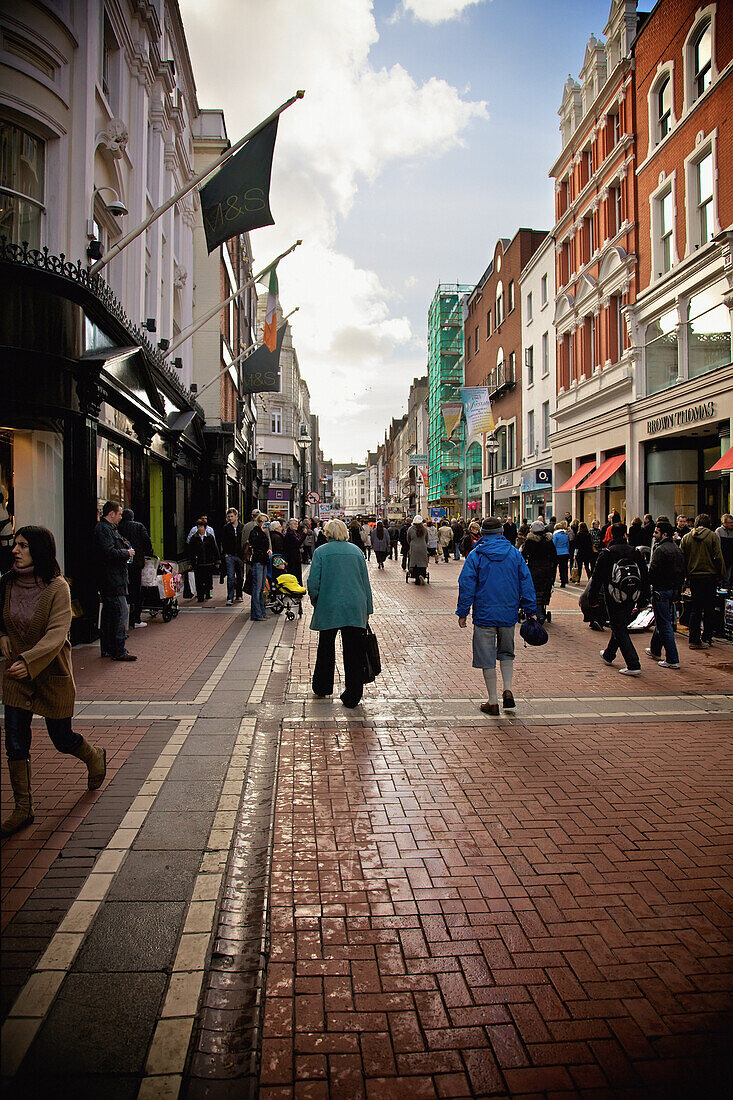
[224,1054]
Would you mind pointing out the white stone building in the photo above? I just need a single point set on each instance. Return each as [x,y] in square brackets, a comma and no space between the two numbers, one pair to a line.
[537,287]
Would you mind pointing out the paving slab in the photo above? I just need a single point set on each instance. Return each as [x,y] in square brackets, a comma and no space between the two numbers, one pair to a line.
[132,936]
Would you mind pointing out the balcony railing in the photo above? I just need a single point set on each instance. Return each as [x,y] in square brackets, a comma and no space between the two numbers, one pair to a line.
[501,378]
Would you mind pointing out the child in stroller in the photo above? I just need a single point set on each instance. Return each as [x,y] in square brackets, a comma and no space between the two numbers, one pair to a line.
[285,594]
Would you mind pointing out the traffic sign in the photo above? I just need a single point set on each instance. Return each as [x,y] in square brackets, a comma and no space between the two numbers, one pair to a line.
[314,497]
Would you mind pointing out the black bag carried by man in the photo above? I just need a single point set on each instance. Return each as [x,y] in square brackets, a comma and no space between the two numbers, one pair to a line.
[372,660]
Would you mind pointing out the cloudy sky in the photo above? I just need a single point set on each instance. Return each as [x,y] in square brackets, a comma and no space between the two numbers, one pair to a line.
[427,131]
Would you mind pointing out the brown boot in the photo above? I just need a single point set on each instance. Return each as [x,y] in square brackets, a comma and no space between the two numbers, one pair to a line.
[20,780]
[96,762]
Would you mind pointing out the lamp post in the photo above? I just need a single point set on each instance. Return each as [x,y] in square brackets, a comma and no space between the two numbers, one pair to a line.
[304,442]
[492,446]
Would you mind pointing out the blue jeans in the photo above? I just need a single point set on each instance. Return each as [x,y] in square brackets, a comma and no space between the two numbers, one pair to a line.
[664,620]
[235,576]
[112,625]
[456,550]
[18,733]
[257,609]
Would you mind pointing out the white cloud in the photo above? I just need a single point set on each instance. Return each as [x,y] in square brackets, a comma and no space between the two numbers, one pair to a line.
[355,121]
[437,11]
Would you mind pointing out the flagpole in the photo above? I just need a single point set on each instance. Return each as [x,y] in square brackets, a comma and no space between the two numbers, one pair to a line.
[188,187]
[188,333]
[243,355]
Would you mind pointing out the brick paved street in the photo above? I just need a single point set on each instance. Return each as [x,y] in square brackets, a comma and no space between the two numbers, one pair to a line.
[433,903]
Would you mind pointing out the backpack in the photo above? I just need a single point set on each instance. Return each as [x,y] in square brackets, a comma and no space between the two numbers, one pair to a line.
[624,584]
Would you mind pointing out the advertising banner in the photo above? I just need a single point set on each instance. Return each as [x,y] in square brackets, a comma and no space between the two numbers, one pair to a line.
[452,412]
[477,406]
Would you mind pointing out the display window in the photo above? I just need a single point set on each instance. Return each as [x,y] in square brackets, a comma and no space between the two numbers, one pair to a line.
[114,473]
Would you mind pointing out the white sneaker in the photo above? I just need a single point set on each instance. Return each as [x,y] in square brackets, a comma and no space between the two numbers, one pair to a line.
[630,671]
[604,659]
[668,664]
[229,603]
[651,653]
[138,625]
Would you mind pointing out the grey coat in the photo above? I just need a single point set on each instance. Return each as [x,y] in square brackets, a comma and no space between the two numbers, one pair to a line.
[418,549]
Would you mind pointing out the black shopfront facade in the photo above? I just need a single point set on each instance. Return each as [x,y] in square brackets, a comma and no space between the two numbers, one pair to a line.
[90,411]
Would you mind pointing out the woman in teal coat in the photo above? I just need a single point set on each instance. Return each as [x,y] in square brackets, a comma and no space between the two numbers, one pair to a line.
[338,585]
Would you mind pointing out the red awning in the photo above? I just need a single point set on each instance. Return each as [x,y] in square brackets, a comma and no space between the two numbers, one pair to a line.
[579,474]
[604,471]
[724,463]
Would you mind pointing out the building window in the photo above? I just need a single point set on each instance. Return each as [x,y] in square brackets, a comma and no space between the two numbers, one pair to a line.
[277,469]
[545,425]
[529,363]
[276,422]
[22,169]
[499,312]
[545,354]
[109,74]
[663,235]
[700,200]
[530,432]
[488,323]
[543,291]
[619,326]
[661,353]
[588,235]
[512,375]
[614,195]
[664,108]
[708,332]
[475,340]
[510,297]
[529,307]
[702,55]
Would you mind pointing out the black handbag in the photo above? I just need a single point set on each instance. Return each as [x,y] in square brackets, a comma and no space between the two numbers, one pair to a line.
[248,585]
[372,660]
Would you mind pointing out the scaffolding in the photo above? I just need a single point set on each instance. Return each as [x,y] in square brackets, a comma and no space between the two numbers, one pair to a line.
[445,377]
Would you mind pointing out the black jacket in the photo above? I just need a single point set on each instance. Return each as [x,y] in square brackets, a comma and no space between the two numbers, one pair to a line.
[510,532]
[583,545]
[138,538]
[110,559]
[599,582]
[636,535]
[278,543]
[232,540]
[667,568]
[293,554]
[260,544]
[541,557]
[203,551]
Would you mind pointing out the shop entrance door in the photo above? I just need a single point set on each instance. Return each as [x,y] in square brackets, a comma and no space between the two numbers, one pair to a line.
[155,478]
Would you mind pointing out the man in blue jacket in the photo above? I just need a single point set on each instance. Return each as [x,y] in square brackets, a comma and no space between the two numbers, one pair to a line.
[495,580]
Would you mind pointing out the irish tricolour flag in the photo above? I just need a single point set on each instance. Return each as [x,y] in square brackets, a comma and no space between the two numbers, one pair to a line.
[269,337]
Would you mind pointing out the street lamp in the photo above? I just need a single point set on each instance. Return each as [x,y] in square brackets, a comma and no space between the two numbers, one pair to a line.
[304,441]
[492,447]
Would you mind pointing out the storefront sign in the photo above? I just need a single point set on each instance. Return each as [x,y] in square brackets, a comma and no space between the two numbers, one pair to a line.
[417,460]
[691,415]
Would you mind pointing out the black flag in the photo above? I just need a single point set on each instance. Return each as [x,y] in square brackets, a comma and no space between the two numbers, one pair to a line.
[261,369]
[237,198]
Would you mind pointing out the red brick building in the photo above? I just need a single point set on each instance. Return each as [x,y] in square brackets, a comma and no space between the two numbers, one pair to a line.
[681,424]
[597,250]
[493,358]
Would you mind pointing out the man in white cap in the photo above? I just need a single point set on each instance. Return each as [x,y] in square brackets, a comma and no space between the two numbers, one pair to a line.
[495,581]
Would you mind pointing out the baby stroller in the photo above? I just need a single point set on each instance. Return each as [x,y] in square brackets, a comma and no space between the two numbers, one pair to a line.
[285,593]
[160,594]
[416,576]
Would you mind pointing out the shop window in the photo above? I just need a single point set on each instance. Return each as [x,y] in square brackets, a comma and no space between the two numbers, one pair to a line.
[708,333]
[22,168]
[671,477]
[661,353]
[114,473]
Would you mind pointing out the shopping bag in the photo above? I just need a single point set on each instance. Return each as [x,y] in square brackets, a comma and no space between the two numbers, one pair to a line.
[575,574]
[149,574]
[166,590]
[372,660]
[247,586]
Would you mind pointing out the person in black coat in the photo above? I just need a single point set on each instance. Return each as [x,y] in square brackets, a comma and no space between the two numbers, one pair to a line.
[112,554]
[139,539]
[204,554]
[621,606]
[666,577]
[294,538]
[404,544]
[510,530]
[232,552]
[583,547]
[541,557]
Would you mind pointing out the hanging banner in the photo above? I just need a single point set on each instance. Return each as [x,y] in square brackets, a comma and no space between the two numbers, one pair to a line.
[477,406]
[452,412]
[237,198]
[424,475]
[261,369]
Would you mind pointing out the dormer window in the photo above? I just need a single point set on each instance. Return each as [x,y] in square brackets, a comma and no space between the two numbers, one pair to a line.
[702,59]
[664,108]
